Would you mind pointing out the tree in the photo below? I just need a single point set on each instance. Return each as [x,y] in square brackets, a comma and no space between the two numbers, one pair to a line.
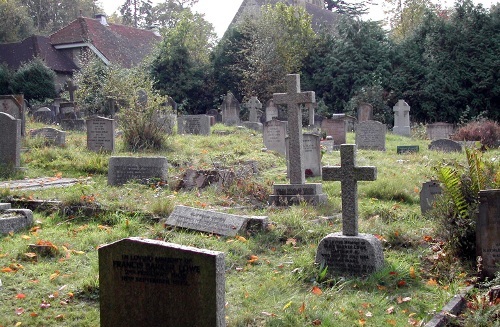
[405,16]
[142,13]
[5,76]
[35,80]
[350,8]
[15,24]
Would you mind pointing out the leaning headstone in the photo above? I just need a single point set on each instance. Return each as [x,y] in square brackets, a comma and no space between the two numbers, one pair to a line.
[193,124]
[215,222]
[230,110]
[10,142]
[44,115]
[350,252]
[51,135]
[310,193]
[14,220]
[438,131]
[365,112]
[428,194]
[401,118]
[370,135]
[274,134]
[154,283]
[14,106]
[445,145]
[336,128]
[312,155]
[488,231]
[124,169]
[100,134]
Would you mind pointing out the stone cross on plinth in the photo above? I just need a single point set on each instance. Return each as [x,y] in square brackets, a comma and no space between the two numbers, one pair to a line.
[253,106]
[293,99]
[349,175]
[71,88]
[401,118]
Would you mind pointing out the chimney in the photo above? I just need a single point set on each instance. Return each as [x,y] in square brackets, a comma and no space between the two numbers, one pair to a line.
[102,19]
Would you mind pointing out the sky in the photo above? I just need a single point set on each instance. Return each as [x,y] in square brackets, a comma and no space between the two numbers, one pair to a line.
[221,12]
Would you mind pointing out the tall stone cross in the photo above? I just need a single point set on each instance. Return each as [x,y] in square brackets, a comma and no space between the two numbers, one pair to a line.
[349,174]
[293,98]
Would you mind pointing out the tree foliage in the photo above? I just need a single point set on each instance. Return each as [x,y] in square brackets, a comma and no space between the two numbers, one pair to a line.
[350,8]
[35,80]
[15,24]
[142,13]
[404,16]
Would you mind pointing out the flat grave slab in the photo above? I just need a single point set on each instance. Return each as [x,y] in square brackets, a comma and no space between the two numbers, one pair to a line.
[39,183]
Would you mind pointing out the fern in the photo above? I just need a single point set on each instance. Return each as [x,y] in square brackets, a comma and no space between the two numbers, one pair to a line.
[450,179]
[477,172]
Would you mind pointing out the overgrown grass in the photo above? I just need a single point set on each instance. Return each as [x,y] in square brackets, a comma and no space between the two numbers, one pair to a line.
[276,289]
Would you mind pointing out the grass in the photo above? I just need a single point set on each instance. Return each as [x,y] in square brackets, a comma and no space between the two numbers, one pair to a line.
[278,289]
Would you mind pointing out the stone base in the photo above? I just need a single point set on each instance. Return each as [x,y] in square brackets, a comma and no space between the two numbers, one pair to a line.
[13,220]
[401,130]
[291,194]
[353,255]
[256,126]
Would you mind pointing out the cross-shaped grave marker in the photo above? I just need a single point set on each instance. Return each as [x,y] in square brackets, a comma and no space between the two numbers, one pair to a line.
[293,99]
[349,174]
[71,88]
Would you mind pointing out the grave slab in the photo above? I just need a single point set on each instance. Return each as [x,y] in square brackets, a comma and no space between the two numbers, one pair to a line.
[14,220]
[274,135]
[10,142]
[153,283]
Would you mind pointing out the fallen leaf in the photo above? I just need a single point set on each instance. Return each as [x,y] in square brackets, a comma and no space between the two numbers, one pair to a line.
[268,314]
[241,238]
[316,290]
[381,287]
[253,258]
[390,310]
[31,256]
[391,322]
[6,270]
[19,311]
[401,283]
[33,314]
[44,305]
[286,306]
[403,299]
[18,324]
[54,275]
[59,317]
[432,282]
[369,314]
[412,272]
[291,241]
[428,238]
[316,322]
[393,273]
[362,322]
[26,237]
[302,308]
[20,296]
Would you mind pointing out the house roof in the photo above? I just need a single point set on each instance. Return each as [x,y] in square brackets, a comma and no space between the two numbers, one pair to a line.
[15,54]
[121,44]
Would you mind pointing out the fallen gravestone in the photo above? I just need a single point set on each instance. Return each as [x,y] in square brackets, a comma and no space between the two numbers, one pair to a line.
[401,118]
[488,231]
[215,222]
[100,134]
[370,135]
[153,283]
[193,124]
[124,169]
[350,252]
[428,194]
[51,135]
[14,220]
[39,183]
[445,145]
[10,142]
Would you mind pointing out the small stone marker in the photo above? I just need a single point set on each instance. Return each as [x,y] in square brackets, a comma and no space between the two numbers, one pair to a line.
[430,190]
[365,112]
[439,130]
[193,124]
[488,231]
[445,145]
[153,283]
[274,135]
[402,149]
[100,134]
[51,135]
[10,142]
[230,110]
[350,252]
[401,118]
[124,169]
[215,222]
[14,220]
[370,135]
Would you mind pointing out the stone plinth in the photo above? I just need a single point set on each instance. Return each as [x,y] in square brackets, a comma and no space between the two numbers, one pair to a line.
[291,194]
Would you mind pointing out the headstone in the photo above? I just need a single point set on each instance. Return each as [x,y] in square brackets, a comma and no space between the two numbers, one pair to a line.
[216,114]
[428,194]
[488,231]
[193,124]
[365,112]
[328,144]
[312,155]
[166,121]
[254,106]
[350,252]
[310,107]
[445,145]
[68,117]
[100,134]
[271,110]
[44,115]
[370,135]
[153,283]
[402,149]
[293,99]
[215,222]
[51,135]
[14,106]
[67,110]
[14,220]
[336,128]
[439,130]
[401,118]
[274,134]
[10,142]
[230,110]
[124,169]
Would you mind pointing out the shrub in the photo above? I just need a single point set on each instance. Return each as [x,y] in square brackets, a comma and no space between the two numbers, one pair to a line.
[485,131]
[35,80]
[4,79]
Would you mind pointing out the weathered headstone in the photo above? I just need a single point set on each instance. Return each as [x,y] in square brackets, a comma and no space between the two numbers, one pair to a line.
[271,110]
[402,149]
[445,145]
[488,231]
[350,252]
[124,169]
[166,121]
[293,99]
[216,114]
[71,88]
[153,283]
[14,220]
[193,124]
[14,106]
[437,131]
[230,110]
[310,107]
[328,144]
[44,115]
[370,135]
[68,117]
[100,134]
[365,112]
[274,135]
[10,142]
[215,222]
[401,118]
[312,155]
[51,135]
[254,106]
[336,128]
[430,190]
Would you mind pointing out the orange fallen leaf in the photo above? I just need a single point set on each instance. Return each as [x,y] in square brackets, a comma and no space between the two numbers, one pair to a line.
[432,282]
[302,308]
[362,322]
[401,283]
[412,272]
[7,270]
[33,314]
[253,258]
[241,238]
[391,322]
[59,317]
[54,275]
[428,238]
[316,290]
[20,296]
[316,322]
